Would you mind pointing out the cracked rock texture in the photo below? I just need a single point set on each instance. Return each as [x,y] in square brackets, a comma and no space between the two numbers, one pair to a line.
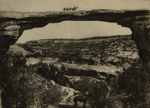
[12,24]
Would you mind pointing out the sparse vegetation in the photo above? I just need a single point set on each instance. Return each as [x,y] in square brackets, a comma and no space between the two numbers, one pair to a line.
[25,86]
[93,51]
[135,83]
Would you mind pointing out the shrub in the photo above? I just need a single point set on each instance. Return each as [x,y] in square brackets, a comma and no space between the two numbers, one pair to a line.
[97,89]
[23,87]
[52,96]
[134,82]
[99,92]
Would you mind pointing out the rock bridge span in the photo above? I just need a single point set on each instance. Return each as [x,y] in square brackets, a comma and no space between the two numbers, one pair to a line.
[12,24]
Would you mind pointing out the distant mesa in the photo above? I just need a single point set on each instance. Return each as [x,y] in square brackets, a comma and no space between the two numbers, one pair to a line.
[12,24]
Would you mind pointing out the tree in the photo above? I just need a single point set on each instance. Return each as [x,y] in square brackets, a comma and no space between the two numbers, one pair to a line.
[24,89]
[97,89]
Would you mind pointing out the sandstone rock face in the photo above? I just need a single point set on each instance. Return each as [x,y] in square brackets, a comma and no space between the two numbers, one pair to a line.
[15,50]
[99,72]
[12,24]
[141,36]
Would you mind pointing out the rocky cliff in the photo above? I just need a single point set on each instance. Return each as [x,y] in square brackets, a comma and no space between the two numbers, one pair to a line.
[12,24]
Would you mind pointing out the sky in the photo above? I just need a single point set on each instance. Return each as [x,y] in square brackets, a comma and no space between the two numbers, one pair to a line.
[72,29]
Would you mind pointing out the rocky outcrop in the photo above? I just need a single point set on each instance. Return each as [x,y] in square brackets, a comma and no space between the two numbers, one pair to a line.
[99,72]
[12,24]
[15,50]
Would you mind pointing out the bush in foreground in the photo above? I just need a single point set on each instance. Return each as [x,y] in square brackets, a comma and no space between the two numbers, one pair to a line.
[23,87]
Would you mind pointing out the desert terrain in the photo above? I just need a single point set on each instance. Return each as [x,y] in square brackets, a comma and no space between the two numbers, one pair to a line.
[102,72]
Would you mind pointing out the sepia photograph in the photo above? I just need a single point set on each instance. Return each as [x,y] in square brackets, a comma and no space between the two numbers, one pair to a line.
[74,53]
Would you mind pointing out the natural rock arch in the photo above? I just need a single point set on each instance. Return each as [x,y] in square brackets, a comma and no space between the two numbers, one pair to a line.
[12,24]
